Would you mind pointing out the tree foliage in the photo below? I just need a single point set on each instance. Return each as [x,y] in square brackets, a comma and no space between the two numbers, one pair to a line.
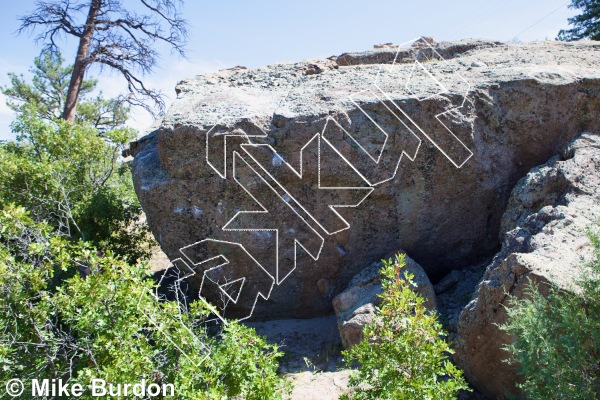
[585,25]
[47,94]
[56,324]
[76,304]
[111,36]
[72,175]
[557,338]
[403,354]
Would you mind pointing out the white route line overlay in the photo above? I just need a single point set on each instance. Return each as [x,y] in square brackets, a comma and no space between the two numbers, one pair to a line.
[300,175]
[236,155]
[152,319]
[277,278]
[226,262]
[243,134]
[443,90]
[382,149]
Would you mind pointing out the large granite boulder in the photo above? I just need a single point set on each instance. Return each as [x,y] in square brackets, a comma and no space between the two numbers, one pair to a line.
[546,242]
[272,187]
[356,306]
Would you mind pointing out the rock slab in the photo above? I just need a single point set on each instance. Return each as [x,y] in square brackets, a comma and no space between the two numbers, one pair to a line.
[545,242]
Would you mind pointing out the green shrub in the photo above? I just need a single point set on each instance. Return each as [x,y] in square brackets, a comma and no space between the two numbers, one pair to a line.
[72,175]
[56,323]
[75,304]
[557,338]
[403,354]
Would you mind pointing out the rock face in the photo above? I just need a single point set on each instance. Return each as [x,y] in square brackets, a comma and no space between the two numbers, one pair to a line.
[356,306]
[545,242]
[454,292]
[276,185]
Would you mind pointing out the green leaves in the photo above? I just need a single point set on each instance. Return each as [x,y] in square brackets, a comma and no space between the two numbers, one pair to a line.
[69,311]
[45,96]
[557,338]
[72,177]
[403,354]
[56,324]
[71,174]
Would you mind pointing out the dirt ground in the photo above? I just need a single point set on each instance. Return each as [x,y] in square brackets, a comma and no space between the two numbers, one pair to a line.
[313,361]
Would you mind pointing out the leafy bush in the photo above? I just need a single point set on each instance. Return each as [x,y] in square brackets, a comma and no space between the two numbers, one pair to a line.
[557,338]
[75,304]
[68,175]
[66,313]
[72,175]
[403,354]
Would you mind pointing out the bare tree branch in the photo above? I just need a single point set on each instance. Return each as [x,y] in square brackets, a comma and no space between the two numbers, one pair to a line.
[113,37]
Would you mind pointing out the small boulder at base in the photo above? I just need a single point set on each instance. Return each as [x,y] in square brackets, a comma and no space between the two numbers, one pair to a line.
[356,306]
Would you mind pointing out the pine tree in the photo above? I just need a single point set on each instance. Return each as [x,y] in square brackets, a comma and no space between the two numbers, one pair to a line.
[585,25]
[111,36]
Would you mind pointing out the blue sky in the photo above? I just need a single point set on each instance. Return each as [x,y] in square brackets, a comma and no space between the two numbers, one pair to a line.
[254,33]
